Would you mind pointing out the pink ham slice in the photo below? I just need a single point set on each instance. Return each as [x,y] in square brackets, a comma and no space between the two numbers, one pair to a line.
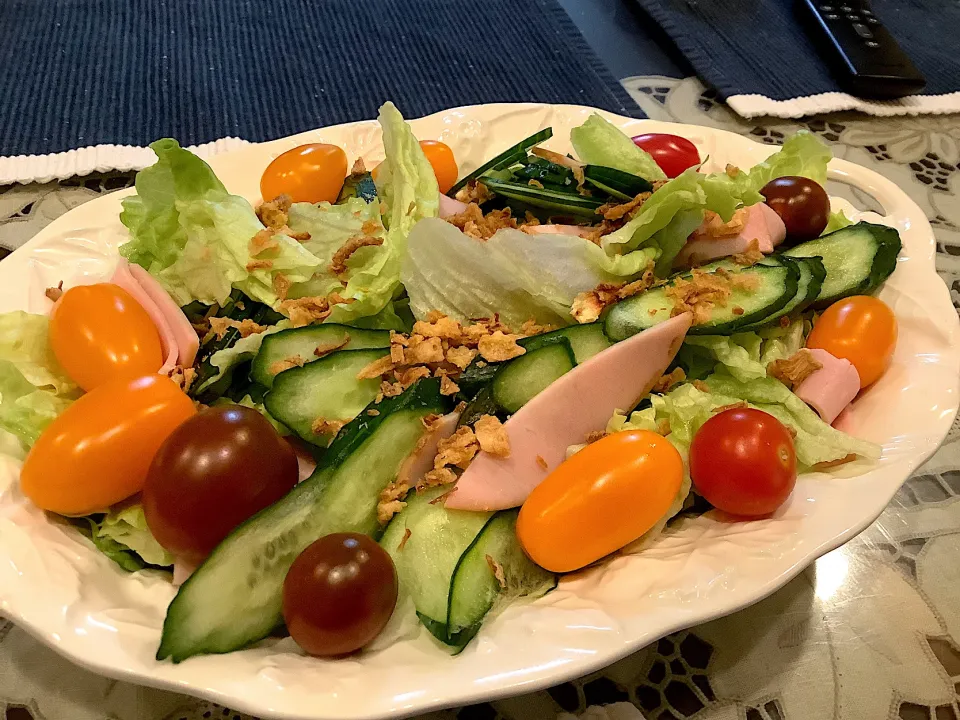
[450,207]
[831,388]
[762,224]
[168,342]
[186,337]
[421,461]
[559,230]
[580,402]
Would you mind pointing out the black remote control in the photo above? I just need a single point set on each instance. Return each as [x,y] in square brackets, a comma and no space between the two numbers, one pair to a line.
[865,58]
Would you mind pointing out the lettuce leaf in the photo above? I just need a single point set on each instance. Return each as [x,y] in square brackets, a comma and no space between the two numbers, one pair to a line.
[518,275]
[194,237]
[836,221]
[408,187]
[127,527]
[744,355]
[802,154]
[34,389]
[599,142]
[242,350]
[667,218]
[686,408]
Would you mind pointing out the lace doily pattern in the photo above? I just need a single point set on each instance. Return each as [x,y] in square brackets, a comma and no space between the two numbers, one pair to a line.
[871,630]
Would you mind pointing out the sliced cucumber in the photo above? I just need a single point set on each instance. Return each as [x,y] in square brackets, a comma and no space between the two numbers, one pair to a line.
[557,202]
[427,557]
[519,380]
[505,159]
[327,389]
[619,184]
[812,274]
[857,258]
[304,341]
[775,286]
[234,597]
[476,589]
[585,340]
[482,404]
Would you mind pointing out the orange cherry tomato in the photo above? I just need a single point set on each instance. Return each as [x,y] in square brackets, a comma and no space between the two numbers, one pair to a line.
[309,173]
[97,452]
[443,162]
[100,333]
[861,329]
[604,497]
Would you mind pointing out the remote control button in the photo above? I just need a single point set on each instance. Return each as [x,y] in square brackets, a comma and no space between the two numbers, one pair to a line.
[846,8]
[863,31]
[866,12]
[872,44]
[871,21]
[826,8]
[831,16]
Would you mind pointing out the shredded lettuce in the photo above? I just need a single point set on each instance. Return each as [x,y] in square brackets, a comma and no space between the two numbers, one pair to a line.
[34,389]
[518,275]
[599,142]
[242,350]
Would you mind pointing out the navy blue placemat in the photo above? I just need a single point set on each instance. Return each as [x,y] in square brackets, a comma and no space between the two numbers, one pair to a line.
[744,47]
[75,73]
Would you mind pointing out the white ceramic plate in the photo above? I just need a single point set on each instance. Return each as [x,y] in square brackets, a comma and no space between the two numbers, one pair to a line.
[54,584]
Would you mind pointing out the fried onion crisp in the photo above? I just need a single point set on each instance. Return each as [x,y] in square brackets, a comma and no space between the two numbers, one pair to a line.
[338,265]
[795,369]
[492,436]
[676,376]
[273,213]
[221,325]
[499,347]
[280,365]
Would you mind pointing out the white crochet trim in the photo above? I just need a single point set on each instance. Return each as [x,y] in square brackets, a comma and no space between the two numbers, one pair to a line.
[99,158]
[755,105]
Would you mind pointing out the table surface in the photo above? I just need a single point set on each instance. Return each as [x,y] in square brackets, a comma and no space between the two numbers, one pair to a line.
[871,630]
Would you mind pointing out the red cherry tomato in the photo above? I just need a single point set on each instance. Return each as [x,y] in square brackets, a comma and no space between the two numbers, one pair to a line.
[861,329]
[100,333]
[604,497]
[309,173]
[96,453]
[742,461]
[339,594]
[801,203]
[214,471]
[672,153]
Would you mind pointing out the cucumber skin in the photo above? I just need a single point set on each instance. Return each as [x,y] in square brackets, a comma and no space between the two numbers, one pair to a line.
[360,339]
[884,261]
[424,395]
[790,290]
[818,274]
[503,395]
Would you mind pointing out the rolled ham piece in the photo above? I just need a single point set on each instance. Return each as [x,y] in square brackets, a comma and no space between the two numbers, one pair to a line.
[762,224]
[580,402]
[450,207]
[831,388]
[168,342]
[186,337]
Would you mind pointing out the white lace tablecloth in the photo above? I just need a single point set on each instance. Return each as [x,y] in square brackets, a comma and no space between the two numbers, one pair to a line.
[870,631]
